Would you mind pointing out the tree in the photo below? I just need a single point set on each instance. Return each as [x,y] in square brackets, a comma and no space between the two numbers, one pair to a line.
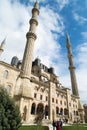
[10,118]
[38,119]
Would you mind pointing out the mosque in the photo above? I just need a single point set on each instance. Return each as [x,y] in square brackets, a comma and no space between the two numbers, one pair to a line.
[36,88]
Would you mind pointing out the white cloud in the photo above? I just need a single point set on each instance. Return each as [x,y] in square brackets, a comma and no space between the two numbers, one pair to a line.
[82,55]
[82,69]
[47,46]
[37,0]
[84,35]
[14,25]
[80,19]
[62,3]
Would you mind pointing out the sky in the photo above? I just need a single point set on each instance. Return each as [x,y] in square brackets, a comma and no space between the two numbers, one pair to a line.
[56,18]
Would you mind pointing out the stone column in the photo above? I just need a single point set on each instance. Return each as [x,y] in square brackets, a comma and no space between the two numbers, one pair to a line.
[50,101]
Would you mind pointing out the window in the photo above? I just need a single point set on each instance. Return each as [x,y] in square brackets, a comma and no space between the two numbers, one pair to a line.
[33,108]
[46,111]
[46,98]
[61,102]
[65,103]
[61,96]
[65,111]
[40,108]
[74,112]
[40,97]
[44,79]
[57,95]
[77,113]
[35,95]
[52,99]
[57,110]
[69,104]
[8,88]
[5,75]
[61,111]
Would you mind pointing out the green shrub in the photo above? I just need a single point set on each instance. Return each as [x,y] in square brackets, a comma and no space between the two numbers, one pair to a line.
[10,118]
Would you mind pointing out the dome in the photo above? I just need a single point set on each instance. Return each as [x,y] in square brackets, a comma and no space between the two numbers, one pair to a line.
[14,61]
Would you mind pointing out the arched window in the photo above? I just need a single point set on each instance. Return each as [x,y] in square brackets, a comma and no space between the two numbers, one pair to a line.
[33,108]
[44,78]
[5,74]
[61,102]
[65,111]
[46,110]
[77,113]
[40,108]
[74,112]
[61,111]
[57,110]
[8,88]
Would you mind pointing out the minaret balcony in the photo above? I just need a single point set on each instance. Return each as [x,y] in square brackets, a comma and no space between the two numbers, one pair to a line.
[1,49]
[35,10]
[71,67]
[32,20]
[31,35]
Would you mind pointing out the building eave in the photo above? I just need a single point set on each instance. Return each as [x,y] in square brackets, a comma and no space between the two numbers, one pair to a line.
[9,66]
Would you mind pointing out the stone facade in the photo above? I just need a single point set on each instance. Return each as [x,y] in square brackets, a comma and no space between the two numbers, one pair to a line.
[85,110]
[36,88]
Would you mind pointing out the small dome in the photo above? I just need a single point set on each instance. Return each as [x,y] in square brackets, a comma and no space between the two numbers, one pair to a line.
[14,61]
[51,70]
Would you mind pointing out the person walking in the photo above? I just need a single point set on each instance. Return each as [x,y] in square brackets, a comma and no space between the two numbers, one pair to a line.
[58,125]
[60,122]
[54,125]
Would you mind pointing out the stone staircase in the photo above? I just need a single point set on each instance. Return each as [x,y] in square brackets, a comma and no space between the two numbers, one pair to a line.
[46,122]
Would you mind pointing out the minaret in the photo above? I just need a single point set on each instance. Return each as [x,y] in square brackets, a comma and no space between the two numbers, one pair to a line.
[2,46]
[26,87]
[31,37]
[72,68]
[73,80]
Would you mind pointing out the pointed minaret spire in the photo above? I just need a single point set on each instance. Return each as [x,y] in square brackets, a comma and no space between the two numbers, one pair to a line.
[72,67]
[36,5]
[2,46]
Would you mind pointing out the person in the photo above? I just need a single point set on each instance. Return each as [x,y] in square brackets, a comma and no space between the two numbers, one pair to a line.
[54,125]
[58,125]
[60,122]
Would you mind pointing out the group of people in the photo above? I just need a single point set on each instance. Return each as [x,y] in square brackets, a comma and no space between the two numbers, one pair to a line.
[57,125]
